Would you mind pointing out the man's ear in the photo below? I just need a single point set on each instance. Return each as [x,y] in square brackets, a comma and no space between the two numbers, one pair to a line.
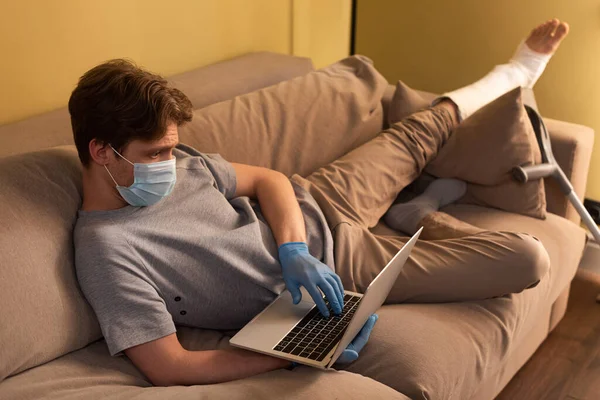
[100,153]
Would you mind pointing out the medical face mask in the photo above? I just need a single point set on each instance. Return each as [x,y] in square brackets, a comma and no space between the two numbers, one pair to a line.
[151,182]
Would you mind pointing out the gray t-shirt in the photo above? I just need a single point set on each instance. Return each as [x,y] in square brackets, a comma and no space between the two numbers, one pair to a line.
[199,257]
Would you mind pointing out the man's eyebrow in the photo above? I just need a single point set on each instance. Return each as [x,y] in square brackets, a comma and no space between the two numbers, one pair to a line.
[162,148]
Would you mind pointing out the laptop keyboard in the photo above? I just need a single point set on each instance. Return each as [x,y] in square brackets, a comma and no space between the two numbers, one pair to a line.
[314,336]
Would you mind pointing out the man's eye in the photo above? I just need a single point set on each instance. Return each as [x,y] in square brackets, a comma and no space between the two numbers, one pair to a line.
[156,154]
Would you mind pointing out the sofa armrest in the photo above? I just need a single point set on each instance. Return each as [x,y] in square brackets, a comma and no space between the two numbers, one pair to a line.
[572,147]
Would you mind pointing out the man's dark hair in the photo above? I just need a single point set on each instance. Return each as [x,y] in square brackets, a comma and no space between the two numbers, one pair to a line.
[118,102]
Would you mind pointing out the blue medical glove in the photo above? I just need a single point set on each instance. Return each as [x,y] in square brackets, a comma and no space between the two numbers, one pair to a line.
[351,352]
[299,268]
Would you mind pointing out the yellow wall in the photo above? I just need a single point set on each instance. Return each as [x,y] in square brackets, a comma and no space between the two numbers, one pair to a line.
[321,30]
[441,45]
[47,45]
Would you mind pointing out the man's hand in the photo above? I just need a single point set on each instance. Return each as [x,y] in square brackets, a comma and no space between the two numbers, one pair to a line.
[351,352]
[299,268]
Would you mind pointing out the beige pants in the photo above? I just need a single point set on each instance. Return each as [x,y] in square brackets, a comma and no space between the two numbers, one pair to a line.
[356,190]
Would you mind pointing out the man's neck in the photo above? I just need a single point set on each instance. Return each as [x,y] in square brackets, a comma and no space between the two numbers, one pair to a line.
[98,195]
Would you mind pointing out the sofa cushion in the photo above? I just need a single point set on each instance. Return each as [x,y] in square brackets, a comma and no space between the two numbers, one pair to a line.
[386,100]
[564,240]
[43,313]
[91,373]
[446,351]
[298,125]
[405,102]
[483,150]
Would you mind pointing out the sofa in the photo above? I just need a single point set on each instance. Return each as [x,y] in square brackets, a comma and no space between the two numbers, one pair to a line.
[51,345]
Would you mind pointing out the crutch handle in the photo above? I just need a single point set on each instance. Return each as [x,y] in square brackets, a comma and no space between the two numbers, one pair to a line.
[531,172]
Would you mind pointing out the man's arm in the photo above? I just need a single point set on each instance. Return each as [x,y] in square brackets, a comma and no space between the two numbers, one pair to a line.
[166,363]
[280,207]
[277,200]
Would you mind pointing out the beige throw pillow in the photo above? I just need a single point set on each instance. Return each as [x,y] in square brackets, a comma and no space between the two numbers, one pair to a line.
[483,150]
[405,101]
[298,125]
[44,314]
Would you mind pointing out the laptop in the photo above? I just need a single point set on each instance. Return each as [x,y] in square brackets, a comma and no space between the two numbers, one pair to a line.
[298,332]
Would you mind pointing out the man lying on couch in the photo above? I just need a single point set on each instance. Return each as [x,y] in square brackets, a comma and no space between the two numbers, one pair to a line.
[152,253]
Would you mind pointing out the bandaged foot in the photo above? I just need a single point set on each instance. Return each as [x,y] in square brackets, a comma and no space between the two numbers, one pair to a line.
[405,217]
[524,69]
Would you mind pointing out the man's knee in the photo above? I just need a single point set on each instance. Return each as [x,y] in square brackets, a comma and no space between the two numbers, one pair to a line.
[533,260]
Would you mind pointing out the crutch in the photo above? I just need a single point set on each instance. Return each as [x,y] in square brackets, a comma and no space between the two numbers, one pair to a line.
[550,168]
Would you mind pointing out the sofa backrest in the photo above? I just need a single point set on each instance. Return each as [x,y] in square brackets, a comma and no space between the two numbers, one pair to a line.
[204,86]
[43,312]
[298,125]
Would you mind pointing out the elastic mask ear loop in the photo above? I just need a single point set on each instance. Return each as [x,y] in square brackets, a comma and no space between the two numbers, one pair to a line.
[111,177]
[120,155]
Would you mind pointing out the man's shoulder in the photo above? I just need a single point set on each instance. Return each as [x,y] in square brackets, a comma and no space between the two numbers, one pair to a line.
[190,158]
[97,242]
[187,155]
[95,229]
[190,164]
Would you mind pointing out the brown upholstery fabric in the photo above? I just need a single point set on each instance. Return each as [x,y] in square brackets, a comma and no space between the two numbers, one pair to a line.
[39,132]
[227,79]
[454,350]
[485,148]
[445,351]
[529,341]
[563,239]
[91,373]
[44,314]
[204,86]
[298,125]
[559,308]
[386,100]
[405,102]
